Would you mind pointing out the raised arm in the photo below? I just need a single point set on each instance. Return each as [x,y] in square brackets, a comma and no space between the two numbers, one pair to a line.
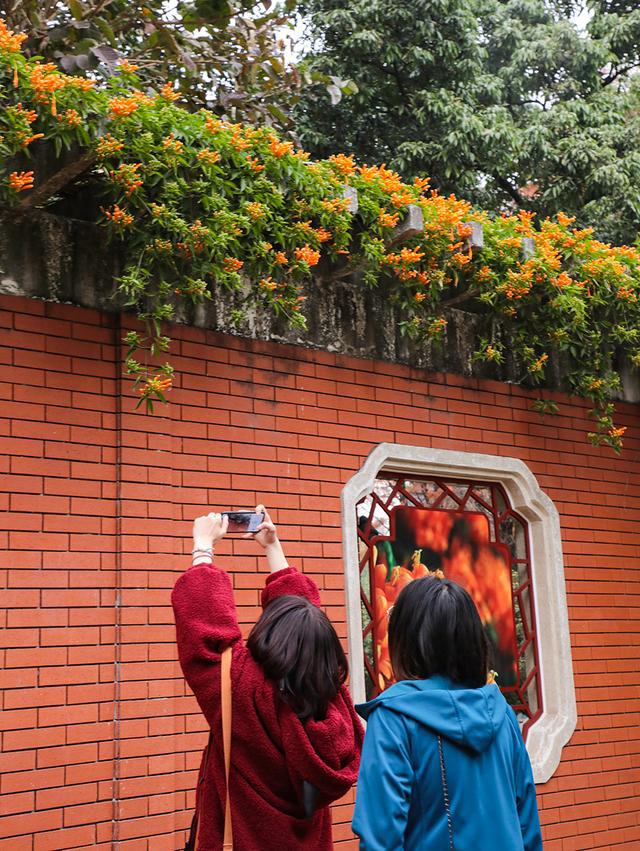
[284,580]
[204,610]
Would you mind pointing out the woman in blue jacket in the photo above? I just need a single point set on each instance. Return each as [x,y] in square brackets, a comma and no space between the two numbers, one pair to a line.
[444,766]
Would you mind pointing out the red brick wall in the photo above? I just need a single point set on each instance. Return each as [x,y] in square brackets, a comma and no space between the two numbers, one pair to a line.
[100,737]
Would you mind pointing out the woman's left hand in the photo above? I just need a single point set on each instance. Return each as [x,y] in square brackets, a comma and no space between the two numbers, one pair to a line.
[208,529]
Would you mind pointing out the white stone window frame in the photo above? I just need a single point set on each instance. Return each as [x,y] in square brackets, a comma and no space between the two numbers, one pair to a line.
[553,729]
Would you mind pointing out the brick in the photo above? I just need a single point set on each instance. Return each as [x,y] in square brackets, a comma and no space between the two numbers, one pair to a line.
[31,823]
[66,839]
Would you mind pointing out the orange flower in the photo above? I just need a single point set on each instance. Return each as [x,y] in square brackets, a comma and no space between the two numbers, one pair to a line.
[388,220]
[157,384]
[118,216]
[168,93]
[323,235]
[401,199]
[28,115]
[538,365]
[10,42]
[307,255]
[406,255]
[626,294]
[281,258]
[213,124]
[19,181]
[420,296]
[461,259]
[127,67]
[563,280]
[29,139]
[171,145]
[208,156]
[344,164]
[255,210]
[565,220]
[279,149]
[107,146]
[421,183]
[70,117]
[268,284]
[335,205]
[255,165]
[127,176]
[232,264]
[120,107]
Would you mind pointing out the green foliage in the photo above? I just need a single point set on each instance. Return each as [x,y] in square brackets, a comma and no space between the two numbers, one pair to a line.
[203,206]
[505,102]
[228,56]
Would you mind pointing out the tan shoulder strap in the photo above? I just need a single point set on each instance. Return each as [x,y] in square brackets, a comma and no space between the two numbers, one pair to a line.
[227,844]
[225,695]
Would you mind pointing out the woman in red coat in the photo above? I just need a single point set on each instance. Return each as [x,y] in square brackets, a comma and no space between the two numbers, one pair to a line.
[294,728]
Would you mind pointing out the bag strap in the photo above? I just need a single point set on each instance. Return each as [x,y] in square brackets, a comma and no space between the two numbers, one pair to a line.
[227,843]
[225,677]
[445,792]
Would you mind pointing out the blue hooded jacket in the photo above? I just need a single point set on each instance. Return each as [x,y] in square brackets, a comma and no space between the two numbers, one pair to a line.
[400,800]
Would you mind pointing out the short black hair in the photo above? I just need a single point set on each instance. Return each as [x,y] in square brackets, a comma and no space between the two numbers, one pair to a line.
[296,645]
[435,628]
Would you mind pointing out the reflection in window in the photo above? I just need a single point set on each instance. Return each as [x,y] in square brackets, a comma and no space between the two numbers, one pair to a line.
[408,529]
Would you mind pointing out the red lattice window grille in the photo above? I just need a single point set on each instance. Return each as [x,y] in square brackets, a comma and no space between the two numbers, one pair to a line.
[408,528]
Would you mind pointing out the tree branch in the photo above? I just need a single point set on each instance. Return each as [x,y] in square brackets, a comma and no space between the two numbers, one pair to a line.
[57,181]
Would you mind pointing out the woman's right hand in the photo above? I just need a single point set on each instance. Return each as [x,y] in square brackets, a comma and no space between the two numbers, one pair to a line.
[208,529]
[266,534]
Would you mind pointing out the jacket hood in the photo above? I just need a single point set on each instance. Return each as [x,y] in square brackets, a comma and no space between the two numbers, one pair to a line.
[469,717]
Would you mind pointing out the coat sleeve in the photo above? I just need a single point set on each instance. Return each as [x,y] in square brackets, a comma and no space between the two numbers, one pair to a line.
[206,623]
[384,784]
[289,582]
[526,801]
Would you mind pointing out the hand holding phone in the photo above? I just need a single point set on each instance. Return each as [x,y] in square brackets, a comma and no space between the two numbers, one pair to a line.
[244,522]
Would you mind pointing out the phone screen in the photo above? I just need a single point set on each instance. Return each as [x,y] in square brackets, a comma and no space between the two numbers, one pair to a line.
[243,521]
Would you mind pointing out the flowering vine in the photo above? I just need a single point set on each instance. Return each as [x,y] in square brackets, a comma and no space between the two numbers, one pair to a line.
[201,203]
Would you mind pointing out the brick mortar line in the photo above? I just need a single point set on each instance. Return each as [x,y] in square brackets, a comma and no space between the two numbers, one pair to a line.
[117,662]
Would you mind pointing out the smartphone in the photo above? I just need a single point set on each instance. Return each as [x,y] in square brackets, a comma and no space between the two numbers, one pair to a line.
[243,521]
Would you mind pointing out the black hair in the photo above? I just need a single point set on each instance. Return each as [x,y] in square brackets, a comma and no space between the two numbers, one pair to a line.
[297,646]
[435,628]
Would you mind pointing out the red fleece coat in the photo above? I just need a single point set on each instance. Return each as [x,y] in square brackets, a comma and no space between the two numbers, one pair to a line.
[272,751]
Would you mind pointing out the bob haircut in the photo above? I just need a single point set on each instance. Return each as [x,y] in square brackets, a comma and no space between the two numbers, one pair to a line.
[435,628]
[297,646]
